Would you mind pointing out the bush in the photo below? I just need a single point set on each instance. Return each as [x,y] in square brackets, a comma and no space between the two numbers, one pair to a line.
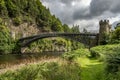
[70,56]
[102,51]
[110,54]
[113,62]
[115,36]
[17,21]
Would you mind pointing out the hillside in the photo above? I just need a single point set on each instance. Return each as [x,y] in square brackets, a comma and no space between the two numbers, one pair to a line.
[22,18]
[20,15]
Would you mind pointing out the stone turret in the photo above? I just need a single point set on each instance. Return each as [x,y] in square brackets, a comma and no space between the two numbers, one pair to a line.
[104,30]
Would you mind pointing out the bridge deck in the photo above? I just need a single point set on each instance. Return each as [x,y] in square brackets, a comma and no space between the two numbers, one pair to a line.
[60,34]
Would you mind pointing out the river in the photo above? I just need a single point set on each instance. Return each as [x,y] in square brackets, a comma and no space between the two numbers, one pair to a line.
[11,59]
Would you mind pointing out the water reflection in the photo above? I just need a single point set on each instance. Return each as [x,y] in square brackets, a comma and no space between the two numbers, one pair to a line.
[13,58]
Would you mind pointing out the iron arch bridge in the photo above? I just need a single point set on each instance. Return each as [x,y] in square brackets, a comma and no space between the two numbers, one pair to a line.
[85,38]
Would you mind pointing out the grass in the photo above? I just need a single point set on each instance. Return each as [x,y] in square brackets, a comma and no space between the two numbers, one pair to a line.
[91,69]
[60,70]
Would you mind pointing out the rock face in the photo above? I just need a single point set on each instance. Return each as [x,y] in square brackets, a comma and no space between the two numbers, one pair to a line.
[104,30]
[23,30]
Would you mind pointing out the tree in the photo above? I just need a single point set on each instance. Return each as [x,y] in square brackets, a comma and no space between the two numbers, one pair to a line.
[85,30]
[116,33]
[56,25]
[3,9]
[75,29]
[13,10]
[66,28]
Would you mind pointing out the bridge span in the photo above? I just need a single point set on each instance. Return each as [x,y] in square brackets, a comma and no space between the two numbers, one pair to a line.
[84,38]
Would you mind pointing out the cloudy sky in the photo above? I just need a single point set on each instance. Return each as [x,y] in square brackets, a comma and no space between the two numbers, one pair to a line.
[85,13]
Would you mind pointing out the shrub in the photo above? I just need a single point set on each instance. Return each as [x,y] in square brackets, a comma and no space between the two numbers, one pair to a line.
[17,21]
[110,54]
[102,51]
[115,36]
[70,56]
[113,62]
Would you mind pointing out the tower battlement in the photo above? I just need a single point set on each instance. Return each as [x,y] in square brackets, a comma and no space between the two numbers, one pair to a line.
[103,22]
[104,26]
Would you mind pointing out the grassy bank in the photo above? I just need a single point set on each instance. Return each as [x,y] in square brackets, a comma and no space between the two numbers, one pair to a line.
[75,65]
[58,70]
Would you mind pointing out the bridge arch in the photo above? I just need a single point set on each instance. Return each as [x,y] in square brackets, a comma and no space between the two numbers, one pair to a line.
[80,37]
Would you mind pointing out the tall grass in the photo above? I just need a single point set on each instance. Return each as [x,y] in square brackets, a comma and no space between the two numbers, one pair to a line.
[45,71]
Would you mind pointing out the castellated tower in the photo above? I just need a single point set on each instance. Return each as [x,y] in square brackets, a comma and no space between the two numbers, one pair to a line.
[104,30]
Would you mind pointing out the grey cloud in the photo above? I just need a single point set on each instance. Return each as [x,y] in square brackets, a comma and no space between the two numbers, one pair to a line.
[64,13]
[83,13]
[98,8]
[68,1]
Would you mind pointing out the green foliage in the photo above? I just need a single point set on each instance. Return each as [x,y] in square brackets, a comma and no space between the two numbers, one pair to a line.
[56,25]
[3,9]
[6,45]
[70,56]
[105,49]
[113,61]
[45,71]
[115,36]
[54,44]
[13,10]
[110,54]
[75,29]
[17,21]
[93,69]
[30,11]
[66,28]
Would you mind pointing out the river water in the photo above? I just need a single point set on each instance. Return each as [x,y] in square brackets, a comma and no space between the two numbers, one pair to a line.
[19,58]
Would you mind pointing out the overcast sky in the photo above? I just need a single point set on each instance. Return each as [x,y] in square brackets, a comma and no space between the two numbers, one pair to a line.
[85,13]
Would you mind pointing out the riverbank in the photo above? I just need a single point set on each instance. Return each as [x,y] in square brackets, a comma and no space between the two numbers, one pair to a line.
[56,69]
[86,68]
[15,60]
[76,65]
[13,67]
